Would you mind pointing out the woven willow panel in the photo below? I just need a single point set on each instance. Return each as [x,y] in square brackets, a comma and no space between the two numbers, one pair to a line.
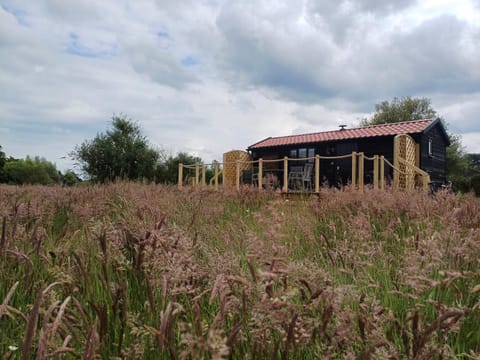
[230,166]
[404,148]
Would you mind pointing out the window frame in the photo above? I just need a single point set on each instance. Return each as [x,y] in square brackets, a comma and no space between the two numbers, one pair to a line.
[430,147]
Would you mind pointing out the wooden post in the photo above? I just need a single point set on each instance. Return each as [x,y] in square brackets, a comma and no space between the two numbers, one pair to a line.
[238,174]
[204,175]
[180,175]
[354,169]
[382,172]
[215,179]
[285,174]
[317,173]
[361,171]
[260,174]
[426,182]
[375,172]
[197,173]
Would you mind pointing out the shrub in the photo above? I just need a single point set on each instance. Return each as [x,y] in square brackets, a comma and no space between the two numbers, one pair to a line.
[475,182]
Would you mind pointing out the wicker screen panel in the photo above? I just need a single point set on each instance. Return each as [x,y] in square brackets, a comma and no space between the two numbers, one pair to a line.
[404,148]
[230,165]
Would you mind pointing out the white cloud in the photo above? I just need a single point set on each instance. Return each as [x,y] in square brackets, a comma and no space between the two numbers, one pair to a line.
[470,141]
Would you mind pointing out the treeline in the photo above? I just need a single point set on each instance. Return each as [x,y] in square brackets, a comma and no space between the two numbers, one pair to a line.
[121,153]
[32,170]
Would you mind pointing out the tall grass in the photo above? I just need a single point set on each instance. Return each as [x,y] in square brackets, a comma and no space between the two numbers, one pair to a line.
[143,271]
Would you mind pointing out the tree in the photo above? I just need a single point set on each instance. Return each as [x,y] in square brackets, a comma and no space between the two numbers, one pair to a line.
[120,153]
[167,172]
[3,160]
[31,171]
[458,165]
[404,109]
[408,108]
[70,178]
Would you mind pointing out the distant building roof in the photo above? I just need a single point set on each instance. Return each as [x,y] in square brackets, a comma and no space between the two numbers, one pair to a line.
[405,127]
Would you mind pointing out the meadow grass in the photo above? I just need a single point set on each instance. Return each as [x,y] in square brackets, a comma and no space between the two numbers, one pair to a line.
[138,271]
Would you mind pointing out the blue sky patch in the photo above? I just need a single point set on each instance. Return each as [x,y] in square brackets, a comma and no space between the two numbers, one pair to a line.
[163,35]
[75,47]
[190,61]
[20,15]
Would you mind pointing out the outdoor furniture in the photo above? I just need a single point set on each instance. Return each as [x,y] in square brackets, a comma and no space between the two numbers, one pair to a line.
[249,177]
[270,181]
[300,177]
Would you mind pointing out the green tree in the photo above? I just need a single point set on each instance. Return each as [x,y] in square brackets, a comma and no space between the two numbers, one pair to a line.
[70,178]
[458,165]
[403,109]
[31,171]
[122,152]
[167,172]
[3,160]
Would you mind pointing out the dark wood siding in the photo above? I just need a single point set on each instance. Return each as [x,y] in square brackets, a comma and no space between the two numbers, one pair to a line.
[434,163]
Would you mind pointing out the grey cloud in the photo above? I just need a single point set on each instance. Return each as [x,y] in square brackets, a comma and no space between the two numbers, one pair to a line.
[380,7]
[76,11]
[383,7]
[257,50]
[430,58]
[363,62]
[160,66]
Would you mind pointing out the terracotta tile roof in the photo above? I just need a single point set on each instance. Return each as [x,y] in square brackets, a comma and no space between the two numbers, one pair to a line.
[406,127]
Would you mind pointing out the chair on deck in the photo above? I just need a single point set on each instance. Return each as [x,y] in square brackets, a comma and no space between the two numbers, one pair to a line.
[249,177]
[300,177]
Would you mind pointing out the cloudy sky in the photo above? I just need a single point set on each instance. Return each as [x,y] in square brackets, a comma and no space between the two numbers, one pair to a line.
[208,76]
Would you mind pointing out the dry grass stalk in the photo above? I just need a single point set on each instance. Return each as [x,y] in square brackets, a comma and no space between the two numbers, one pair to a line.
[44,331]
[367,354]
[3,239]
[4,306]
[92,342]
[290,335]
[32,325]
[442,322]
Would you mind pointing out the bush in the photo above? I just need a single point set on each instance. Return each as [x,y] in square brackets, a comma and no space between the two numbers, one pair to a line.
[475,183]
[31,171]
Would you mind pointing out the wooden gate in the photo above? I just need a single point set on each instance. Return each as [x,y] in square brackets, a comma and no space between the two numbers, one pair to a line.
[404,157]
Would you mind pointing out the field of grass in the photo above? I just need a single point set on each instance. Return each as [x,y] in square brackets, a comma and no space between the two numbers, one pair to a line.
[146,272]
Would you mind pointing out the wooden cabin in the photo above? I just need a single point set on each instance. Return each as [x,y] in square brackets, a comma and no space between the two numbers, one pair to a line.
[430,141]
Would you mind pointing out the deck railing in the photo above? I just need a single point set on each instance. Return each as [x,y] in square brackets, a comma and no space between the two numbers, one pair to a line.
[197,172]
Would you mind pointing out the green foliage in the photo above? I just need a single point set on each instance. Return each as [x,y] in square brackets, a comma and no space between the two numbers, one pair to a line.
[403,109]
[167,172]
[120,153]
[3,160]
[31,171]
[457,165]
[475,183]
[70,178]
[473,164]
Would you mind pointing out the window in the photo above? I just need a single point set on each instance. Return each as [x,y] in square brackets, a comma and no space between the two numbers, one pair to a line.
[430,147]
[302,153]
[293,153]
[311,154]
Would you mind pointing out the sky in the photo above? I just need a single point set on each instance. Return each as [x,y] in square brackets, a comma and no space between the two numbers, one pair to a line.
[209,76]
